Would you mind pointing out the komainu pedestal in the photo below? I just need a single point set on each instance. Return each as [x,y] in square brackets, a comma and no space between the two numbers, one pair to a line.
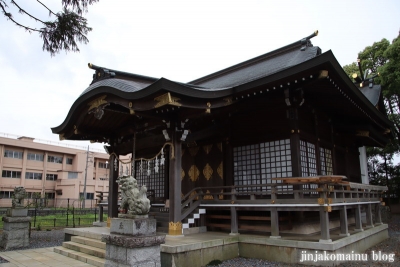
[15,229]
[133,242]
[16,223]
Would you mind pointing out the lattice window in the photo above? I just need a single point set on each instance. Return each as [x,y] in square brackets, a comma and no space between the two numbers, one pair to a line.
[326,161]
[308,159]
[259,163]
[308,163]
[156,181]
[247,166]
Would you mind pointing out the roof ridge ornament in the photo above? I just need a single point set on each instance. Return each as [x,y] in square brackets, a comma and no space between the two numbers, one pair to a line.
[305,42]
[101,73]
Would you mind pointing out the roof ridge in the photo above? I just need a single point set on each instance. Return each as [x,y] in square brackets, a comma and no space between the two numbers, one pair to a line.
[121,73]
[302,42]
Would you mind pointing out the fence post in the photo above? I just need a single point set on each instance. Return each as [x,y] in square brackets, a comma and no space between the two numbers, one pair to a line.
[54,222]
[67,211]
[95,213]
[34,218]
[79,221]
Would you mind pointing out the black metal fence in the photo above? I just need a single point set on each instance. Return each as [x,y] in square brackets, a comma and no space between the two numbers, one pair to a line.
[72,215]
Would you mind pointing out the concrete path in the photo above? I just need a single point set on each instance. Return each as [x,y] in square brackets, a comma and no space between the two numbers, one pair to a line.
[38,257]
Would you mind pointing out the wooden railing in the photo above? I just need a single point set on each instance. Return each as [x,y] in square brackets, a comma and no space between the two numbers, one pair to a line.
[328,193]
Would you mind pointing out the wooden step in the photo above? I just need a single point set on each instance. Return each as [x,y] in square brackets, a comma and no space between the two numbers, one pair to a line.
[80,256]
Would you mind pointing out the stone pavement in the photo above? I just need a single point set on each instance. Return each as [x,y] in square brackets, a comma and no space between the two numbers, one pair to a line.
[38,257]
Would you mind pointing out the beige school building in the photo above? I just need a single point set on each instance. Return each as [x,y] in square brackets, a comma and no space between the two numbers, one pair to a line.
[51,170]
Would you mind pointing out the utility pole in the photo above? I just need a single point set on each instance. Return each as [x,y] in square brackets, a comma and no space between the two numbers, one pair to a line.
[84,185]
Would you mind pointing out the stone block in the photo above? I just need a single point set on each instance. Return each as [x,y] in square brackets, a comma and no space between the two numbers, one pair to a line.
[116,254]
[15,226]
[138,256]
[133,241]
[135,227]
[17,212]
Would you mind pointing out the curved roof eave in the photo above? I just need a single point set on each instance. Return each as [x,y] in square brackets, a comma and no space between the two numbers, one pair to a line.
[122,88]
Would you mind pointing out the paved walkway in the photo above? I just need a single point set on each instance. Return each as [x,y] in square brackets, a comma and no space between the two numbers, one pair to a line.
[38,257]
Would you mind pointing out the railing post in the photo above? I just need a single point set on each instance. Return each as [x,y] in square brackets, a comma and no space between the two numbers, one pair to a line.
[370,223]
[344,229]
[378,217]
[234,218]
[324,216]
[274,216]
[357,212]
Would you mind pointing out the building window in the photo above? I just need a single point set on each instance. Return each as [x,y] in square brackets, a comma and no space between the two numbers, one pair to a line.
[6,194]
[308,165]
[33,175]
[308,159]
[69,161]
[55,159]
[259,163]
[50,195]
[72,175]
[34,156]
[88,195]
[326,161]
[154,182]
[51,177]
[13,154]
[11,174]
[103,165]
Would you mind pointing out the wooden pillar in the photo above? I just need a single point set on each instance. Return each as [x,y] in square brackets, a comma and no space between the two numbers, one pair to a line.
[357,212]
[378,218]
[113,188]
[344,229]
[334,168]
[175,166]
[370,223]
[274,216]
[324,222]
[295,147]
[234,218]
[228,164]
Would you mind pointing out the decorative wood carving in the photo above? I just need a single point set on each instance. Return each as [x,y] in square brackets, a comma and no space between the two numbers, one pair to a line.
[193,150]
[166,99]
[208,196]
[194,194]
[97,102]
[219,145]
[220,170]
[208,171]
[194,173]
[221,197]
[207,148]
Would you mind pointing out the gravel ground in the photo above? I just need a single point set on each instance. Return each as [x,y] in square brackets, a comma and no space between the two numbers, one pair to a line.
[42,239]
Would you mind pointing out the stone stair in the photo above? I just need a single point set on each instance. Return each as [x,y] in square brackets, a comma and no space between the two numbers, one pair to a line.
[86,249]
[162,216]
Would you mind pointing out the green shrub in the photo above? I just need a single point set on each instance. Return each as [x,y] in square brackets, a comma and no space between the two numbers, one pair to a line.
[38,227]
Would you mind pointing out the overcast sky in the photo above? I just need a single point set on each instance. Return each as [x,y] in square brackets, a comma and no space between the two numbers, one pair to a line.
[178,40]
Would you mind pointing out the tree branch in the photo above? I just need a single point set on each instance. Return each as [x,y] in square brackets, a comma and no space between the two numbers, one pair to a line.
[9,16]
[23,11]
[50,11]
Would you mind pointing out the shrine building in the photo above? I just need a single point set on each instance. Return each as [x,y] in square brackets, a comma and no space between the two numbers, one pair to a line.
[272,137]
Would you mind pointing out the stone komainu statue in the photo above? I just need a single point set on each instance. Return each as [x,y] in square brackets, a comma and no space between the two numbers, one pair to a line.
[18,197]
[134,201]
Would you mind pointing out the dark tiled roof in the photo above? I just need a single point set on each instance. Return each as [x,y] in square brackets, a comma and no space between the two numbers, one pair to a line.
[120,84]
[257,68]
